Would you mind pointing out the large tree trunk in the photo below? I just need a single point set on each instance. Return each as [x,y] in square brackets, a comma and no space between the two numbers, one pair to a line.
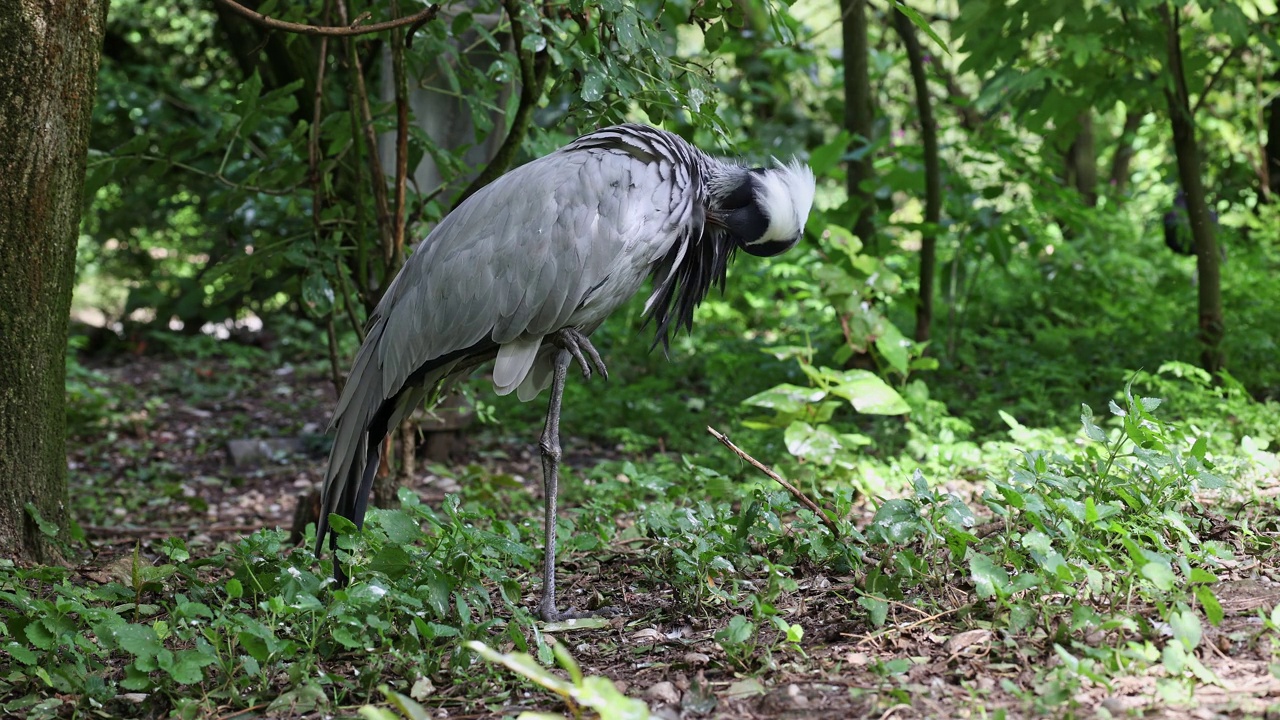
[932,176]
[858,116]
[49,54]
[1212,325]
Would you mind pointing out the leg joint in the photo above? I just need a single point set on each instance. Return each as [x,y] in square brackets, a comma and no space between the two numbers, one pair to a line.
[550,449]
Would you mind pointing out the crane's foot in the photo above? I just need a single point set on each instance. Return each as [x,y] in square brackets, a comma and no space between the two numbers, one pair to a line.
[582,351]
[549,613]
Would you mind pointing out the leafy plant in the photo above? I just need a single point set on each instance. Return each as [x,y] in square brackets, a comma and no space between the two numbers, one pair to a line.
[593,693]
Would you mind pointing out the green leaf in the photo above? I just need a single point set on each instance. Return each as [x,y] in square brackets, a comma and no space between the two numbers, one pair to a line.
[1091,430]
[524,665]
[406,705]
[593,88]
[401,529]
[827,155]
[255,646]
[894,347]
[1212,608]
[135,678]
[1038,542]
[1159,573]
[38,634]
[1186,628]
[20,653]
[737,632]
[877,609]
[991,579]
[869,394]
[437,630]
[818,444]
[601,695]
[186,670]
[1228,18]
[138,640]
[345,637]
[897,521]
[713,37]
[47,528]
[341,525]
[317,295]
[392,561]
[919,21]
[785,398]
[461,23]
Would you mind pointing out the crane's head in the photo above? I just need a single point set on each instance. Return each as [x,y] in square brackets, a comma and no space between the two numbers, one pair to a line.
[765,209]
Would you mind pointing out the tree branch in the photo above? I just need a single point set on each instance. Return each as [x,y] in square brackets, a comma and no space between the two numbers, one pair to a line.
[533,72]
[416,20]
[1195,107]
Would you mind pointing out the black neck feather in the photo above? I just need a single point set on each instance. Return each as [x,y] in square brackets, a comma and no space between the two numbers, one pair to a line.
[677,294]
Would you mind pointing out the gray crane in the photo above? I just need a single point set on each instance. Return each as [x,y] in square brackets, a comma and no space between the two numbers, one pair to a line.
[524,270]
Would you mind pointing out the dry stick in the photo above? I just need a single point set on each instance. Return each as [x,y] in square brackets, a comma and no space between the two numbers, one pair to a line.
[416,20]
[795,491]
[908,626]
[396,251]
[107,531]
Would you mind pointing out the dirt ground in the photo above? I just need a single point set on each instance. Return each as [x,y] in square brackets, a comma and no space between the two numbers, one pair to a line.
[948,664]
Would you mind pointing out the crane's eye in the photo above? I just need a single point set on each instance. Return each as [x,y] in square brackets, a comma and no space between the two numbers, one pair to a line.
[744,194]
[747,224]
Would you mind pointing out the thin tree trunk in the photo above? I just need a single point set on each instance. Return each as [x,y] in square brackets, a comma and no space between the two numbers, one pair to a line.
[1212,324]
[858,116]
[49,54]
[932,176]
[1271,154]
[1083,161]
[1122,158]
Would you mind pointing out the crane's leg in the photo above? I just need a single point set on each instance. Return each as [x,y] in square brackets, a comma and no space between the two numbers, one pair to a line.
[574,346]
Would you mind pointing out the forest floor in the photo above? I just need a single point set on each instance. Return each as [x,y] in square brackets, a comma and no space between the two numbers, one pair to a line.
[950,662]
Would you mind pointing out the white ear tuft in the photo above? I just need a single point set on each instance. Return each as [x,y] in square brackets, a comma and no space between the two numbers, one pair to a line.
[786,197]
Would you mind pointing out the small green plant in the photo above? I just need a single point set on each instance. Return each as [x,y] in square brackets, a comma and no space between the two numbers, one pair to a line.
[591,693]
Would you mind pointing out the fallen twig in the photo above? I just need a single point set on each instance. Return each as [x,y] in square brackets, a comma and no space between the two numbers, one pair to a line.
[795,491]
[903,628]
[107,531]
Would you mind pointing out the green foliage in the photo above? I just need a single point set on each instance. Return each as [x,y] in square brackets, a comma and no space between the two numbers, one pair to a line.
[593,693]
[217,196]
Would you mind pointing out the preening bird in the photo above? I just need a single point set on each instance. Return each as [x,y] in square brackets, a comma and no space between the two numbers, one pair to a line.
[523,272]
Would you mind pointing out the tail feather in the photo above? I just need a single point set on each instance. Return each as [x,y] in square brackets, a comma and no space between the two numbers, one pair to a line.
[362,420]
[355,452]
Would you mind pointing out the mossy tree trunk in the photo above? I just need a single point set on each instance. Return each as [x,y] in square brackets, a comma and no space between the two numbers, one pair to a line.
[1187,150]
[859,117]
[49,54]
[932,175]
